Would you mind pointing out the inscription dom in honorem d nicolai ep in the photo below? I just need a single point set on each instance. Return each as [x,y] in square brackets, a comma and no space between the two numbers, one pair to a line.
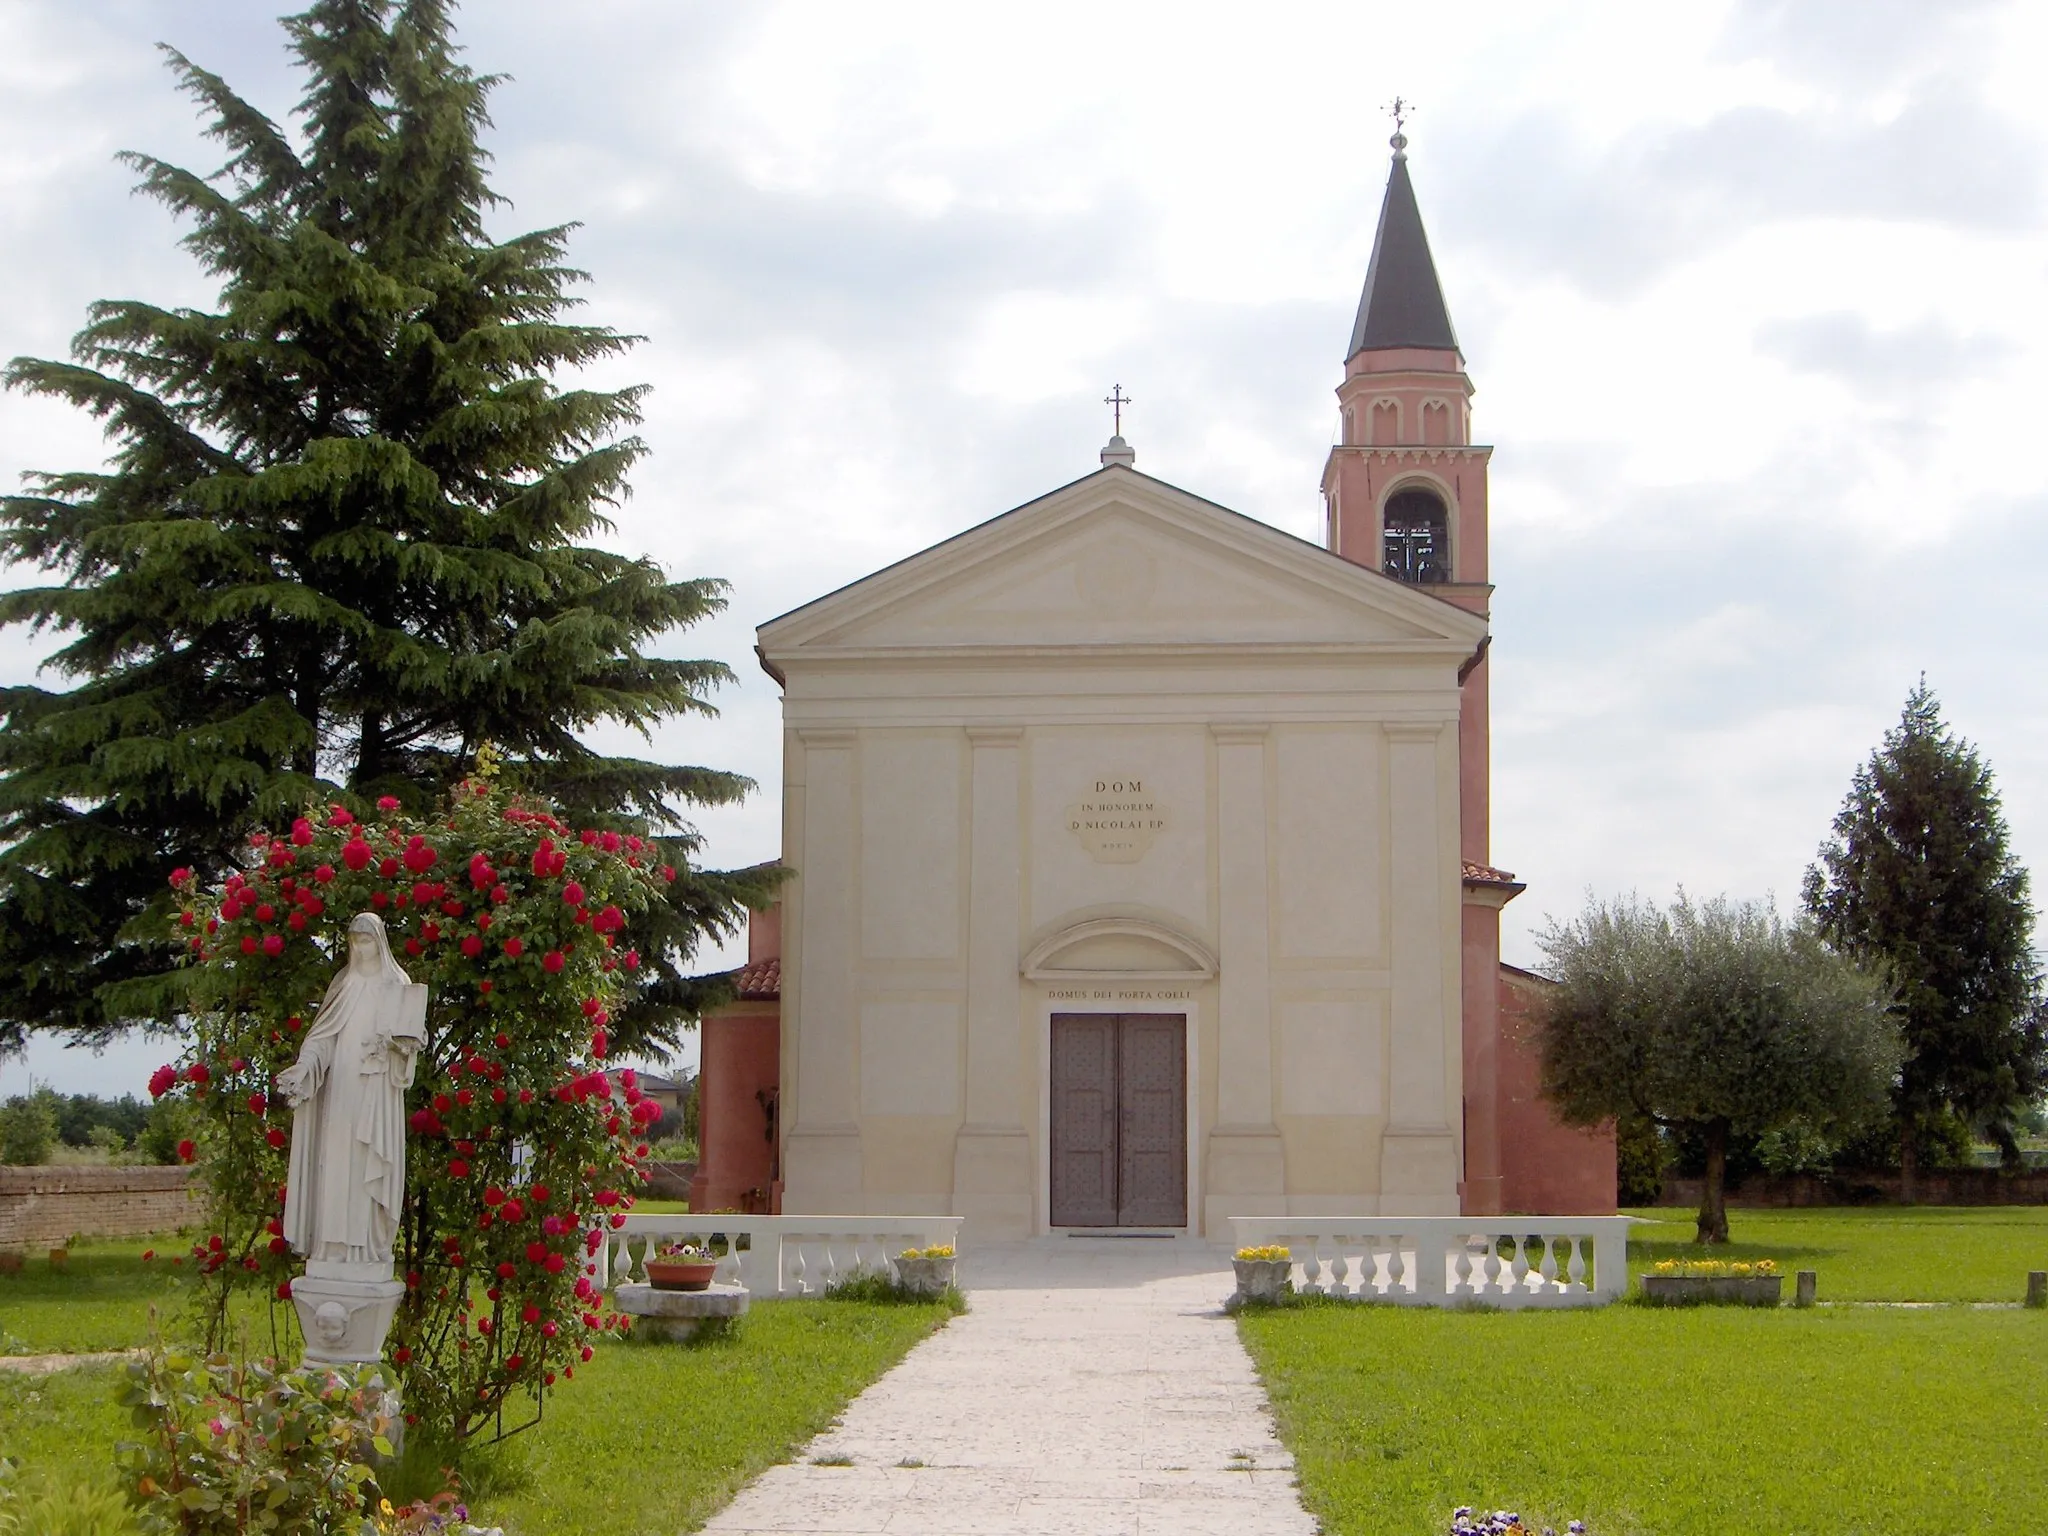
[1117,820]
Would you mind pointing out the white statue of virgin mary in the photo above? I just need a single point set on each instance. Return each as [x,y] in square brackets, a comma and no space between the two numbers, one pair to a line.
[347,1090]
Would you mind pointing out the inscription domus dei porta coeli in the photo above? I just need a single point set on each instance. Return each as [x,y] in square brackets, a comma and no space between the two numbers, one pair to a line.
[1117,820]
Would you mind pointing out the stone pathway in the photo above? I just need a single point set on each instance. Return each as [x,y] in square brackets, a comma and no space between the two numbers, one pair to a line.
[1094,1388]
[43,1365]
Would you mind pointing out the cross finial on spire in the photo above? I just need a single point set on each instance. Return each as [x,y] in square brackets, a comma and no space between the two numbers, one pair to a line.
[1398,109]
[1116,399]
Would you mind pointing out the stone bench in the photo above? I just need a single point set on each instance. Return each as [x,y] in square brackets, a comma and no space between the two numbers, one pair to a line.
[674,1315]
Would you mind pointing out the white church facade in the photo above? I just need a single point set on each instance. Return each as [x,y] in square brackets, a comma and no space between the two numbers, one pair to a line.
[1138,862]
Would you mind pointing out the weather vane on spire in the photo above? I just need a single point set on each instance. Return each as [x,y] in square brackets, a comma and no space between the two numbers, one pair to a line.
[1398,109]
[1116,400]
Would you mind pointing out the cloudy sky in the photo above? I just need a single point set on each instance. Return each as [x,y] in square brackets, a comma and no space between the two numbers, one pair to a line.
[1753,295]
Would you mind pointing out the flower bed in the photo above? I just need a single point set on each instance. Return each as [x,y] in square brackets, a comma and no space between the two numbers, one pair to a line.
[1693,1282]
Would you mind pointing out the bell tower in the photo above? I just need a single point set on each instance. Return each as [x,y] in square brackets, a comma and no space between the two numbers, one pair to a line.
[1404,493]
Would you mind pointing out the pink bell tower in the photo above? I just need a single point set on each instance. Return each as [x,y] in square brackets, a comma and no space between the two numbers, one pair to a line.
[1405,494]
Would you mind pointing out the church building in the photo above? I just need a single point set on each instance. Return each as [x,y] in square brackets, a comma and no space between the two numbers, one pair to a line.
[1140,861]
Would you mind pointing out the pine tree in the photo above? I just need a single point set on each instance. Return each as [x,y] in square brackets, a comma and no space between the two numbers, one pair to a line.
[1917,874]
[337,547]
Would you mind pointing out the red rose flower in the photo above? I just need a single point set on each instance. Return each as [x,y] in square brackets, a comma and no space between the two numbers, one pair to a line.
[302,832]
[472,946]
[500,894]
[514,947]
[198,1072]
[162,1081]
[550,962]
[554,1263]
[387,802]
[273,945]
[458,1168]
[324,873]
[257,1103]
[275,1137]
[266,913]
[536,1252]
[284,1291]
[357,854]
[296,922]
[187,1151]
[572,894]
[387,866]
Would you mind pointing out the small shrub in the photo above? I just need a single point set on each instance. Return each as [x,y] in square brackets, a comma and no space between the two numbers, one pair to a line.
[231,1447]
[31,1506]
[880,1288]
[28,1129]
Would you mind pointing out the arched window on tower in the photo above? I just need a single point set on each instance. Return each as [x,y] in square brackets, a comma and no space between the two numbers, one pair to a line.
[1416,542]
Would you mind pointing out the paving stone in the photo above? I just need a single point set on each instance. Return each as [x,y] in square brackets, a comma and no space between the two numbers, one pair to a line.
[1094,1388]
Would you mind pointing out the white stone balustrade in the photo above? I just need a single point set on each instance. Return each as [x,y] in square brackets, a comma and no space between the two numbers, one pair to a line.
[770,1255]
[1440,1261]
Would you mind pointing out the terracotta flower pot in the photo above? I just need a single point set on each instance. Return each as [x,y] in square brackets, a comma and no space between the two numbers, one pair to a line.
[681,1274]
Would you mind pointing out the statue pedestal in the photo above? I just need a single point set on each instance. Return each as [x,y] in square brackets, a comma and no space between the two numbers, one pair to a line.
[345,1310]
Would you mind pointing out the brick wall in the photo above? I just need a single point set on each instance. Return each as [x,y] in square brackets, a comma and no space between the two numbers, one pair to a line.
[42,1207]
[1943,1186]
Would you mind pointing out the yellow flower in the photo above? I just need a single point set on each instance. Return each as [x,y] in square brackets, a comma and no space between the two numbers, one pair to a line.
[1271,1253]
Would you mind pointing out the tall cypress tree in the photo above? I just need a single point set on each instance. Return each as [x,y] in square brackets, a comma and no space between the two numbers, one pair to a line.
[1918,874]
[338,544]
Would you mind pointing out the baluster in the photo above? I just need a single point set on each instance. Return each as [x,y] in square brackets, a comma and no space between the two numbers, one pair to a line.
[1461,1270]
[1396,1270]
[1549,1268]
[800,1269]
[1340,1270]
[1521,1263]
[1312,1269]
[1576,1270]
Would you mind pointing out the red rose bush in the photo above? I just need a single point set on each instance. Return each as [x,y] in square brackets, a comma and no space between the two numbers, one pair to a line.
[523,1149]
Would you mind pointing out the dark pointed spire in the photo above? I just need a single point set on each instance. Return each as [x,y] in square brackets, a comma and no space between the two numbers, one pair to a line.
[1403,304]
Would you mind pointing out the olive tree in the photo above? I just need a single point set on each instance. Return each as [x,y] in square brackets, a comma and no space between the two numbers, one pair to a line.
[1716,1017]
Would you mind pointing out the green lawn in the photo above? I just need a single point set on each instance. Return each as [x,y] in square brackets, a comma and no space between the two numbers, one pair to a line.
[102,1298]
[656,1438]
[647,1441]
[1874,1253]
[1695,1422]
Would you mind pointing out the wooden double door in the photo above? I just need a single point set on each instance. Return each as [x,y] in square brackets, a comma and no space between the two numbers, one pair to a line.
[1119,1120]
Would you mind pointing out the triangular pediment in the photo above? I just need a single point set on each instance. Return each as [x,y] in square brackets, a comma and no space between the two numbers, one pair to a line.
[1121,559]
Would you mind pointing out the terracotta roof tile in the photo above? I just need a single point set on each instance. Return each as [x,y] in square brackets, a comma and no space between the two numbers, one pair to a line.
[760,981]
[1486,874]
